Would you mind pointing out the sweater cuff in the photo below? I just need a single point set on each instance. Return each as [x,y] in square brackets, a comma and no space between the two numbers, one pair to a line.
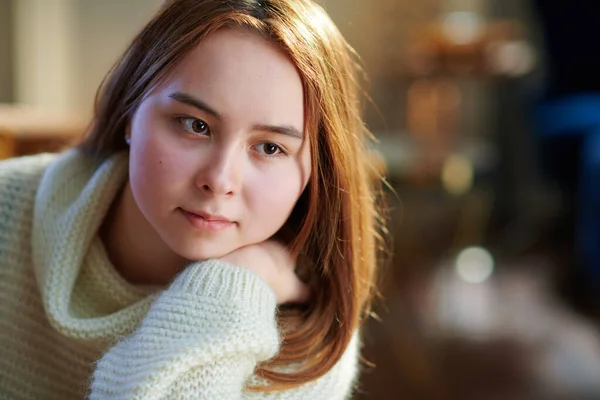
[227,283]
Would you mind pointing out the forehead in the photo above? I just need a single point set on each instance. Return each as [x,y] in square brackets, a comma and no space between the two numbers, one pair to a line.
[238,72]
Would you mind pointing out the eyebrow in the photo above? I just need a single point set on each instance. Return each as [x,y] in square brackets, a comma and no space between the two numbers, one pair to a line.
[284,130]
[190,100]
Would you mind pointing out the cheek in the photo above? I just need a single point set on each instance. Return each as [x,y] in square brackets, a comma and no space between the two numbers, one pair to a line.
[157,170]
[274,195]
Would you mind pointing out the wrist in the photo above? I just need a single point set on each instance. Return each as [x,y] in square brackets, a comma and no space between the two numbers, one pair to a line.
[254,258]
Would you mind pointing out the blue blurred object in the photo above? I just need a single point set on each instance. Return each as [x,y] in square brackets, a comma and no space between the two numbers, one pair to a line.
[579,114]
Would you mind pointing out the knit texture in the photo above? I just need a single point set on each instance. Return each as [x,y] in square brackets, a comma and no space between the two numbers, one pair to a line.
[71,326]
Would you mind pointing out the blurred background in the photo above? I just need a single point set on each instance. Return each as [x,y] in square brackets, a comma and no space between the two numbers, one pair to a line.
[487,113]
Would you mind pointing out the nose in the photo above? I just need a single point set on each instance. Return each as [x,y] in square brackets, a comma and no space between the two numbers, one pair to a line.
[221,173]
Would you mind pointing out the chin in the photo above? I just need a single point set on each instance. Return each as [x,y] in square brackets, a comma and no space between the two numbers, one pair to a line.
[200,252]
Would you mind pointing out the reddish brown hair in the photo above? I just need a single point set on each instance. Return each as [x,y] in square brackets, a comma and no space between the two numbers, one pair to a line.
[337,224]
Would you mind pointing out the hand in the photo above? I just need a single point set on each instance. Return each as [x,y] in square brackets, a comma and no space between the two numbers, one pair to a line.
[272,261]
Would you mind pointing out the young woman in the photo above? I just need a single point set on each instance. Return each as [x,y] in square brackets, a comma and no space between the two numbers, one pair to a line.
[215,234]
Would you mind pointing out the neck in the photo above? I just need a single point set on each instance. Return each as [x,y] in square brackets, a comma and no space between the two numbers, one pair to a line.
[135,248]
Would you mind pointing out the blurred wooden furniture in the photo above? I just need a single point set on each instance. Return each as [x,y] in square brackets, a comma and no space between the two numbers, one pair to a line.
[27,130]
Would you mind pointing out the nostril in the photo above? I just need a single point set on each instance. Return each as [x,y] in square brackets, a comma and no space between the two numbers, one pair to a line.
[206,188]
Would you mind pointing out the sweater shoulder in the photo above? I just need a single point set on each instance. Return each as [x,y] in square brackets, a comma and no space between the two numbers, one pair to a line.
[23,171]
[19,179]
[24,168]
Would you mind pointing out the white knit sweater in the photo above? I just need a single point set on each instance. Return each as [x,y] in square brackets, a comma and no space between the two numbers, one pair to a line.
[70,326]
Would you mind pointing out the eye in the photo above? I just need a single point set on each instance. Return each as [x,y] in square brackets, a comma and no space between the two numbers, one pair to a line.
[195,126]
[269,149]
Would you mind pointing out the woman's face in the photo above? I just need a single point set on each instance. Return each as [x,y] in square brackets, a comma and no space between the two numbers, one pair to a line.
[219,155]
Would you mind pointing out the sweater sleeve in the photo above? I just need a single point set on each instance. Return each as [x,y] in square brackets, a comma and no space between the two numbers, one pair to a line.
[213,324]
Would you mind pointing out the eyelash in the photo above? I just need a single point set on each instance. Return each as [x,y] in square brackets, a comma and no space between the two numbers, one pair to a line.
[182,121]
[281,152]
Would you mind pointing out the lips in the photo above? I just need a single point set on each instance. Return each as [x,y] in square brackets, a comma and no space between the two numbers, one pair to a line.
[209,217]
[205,221]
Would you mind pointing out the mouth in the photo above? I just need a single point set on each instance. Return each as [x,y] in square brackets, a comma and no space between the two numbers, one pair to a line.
[205,221]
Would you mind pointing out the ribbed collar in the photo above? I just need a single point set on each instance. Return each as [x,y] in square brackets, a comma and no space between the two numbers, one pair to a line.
[84,296]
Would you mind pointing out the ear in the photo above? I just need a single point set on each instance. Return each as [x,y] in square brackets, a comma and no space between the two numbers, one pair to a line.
[128,128]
